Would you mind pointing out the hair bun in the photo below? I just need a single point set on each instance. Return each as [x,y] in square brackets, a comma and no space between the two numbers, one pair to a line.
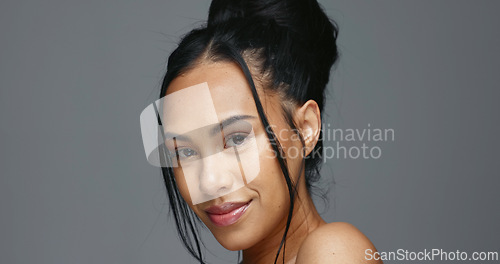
[305,20]
[223,10]
[297,35]
[286,13]
[279,10]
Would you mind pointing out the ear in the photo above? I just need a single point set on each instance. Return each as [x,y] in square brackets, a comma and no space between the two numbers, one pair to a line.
[308,120]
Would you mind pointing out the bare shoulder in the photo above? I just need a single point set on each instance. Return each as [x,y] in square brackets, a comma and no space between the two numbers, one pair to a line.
[336,243]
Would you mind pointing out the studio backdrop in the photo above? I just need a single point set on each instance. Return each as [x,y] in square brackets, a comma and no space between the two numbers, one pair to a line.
[411,129]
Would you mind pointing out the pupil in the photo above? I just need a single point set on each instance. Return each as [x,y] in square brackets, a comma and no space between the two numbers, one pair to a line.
[238,139]
[188,152]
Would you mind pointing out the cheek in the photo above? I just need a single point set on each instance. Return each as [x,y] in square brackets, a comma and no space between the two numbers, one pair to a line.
[181,185]
[293,150]
[270,184]
[294,153]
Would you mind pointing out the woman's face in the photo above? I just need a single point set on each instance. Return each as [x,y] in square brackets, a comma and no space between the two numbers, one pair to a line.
[236,188]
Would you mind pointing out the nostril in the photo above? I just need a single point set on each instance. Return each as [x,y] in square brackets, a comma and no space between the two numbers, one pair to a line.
[222,190]
[215,185]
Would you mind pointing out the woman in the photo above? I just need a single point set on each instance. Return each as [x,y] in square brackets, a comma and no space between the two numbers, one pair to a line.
[239,136]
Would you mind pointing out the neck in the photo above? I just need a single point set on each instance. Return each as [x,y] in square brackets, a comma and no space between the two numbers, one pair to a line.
[305,219]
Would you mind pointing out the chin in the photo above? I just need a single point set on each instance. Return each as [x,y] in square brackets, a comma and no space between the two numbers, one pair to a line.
[234,245]
[234,241]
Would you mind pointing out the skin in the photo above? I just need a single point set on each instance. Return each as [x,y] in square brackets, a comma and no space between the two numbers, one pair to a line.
[259,231]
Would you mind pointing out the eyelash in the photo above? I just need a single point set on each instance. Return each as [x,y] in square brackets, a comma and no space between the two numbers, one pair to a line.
[178,150]
[234,135]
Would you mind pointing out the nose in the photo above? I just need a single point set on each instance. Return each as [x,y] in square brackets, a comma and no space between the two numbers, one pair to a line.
[215,178]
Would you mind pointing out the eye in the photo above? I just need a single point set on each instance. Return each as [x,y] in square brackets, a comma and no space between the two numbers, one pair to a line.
[184,153]
[235,140]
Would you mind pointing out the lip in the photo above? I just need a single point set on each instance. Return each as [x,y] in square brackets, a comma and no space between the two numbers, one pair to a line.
[227,213]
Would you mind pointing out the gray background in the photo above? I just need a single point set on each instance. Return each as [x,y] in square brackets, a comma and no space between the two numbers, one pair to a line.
[75,186]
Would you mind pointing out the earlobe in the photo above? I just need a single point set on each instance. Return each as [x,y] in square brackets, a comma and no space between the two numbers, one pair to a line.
[309,122]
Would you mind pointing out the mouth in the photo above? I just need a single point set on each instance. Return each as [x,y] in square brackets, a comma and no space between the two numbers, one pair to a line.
[227,213]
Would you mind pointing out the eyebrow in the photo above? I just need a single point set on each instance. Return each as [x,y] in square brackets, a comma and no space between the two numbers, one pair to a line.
[228,121]
[214,130]
[174,136]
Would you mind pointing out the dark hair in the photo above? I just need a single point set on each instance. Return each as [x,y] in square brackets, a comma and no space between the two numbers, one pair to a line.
[290,45]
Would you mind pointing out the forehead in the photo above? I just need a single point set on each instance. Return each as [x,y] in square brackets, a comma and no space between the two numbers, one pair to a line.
[220,76]
[206,95]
